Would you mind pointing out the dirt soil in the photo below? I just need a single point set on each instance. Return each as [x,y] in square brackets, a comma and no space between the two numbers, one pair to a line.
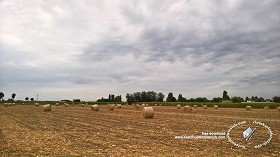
[78,131]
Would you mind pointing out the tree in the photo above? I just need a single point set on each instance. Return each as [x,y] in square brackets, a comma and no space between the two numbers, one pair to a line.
[31,99]
[129,98]
[76,100]
[237,99]
[118,98]
[276,98]
[225,95]
[1,96]
[111,97]
[26,99]
[170,98]
[247,99]
[218,99]
[160,97]
[13,96]
[181,98]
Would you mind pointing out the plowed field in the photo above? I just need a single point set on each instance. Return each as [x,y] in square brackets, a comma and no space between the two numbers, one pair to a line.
[78,131]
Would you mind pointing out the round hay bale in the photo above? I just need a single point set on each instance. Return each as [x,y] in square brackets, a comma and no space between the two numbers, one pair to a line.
[155,104]
[146,105]
[216,106]
[204,106]
[5,104]
[57,104]
[159,105]
[147,112]
[187,109]
[137,106]
[111,107]
[66,104]
[36,104]
[178,106]
[248,108]
[9,104]
[83,105]
[119,105]
[13,104]
[143,105]
[95,107]
[194,106]
[266,108]
[278,109]
[47,107]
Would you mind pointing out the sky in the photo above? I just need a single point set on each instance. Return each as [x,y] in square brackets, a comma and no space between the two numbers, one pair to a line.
[88,49]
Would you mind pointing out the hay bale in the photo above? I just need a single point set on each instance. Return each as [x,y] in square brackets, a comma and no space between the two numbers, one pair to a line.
[13,104]
[266,108]
[155,104]
[9,104]
[119,105]
[147,105]
[137,106]
[159,105]
[248,108]
[47,107]
[216,106]
[178,106]
[194,106]
[57,104]
[278,109]
[204,106]
[187,109]
[5,104]
[66,104]
[111,107]
[147,112]
[95,107]
[36,104]
[83,105]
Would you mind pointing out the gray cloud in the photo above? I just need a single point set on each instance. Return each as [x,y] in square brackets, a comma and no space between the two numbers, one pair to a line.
[189,47]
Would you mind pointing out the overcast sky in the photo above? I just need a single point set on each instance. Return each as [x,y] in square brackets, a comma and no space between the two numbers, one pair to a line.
[88,49]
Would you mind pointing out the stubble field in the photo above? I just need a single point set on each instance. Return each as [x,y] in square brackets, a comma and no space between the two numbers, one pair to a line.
[27,130]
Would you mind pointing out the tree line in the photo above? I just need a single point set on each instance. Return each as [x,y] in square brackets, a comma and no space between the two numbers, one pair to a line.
[144,96]
[111,98]
[151,96]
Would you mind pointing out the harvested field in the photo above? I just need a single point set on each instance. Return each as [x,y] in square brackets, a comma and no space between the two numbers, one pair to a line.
[26,130]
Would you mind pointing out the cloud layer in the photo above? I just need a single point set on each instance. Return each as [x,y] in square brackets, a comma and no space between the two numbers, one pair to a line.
[89,49]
